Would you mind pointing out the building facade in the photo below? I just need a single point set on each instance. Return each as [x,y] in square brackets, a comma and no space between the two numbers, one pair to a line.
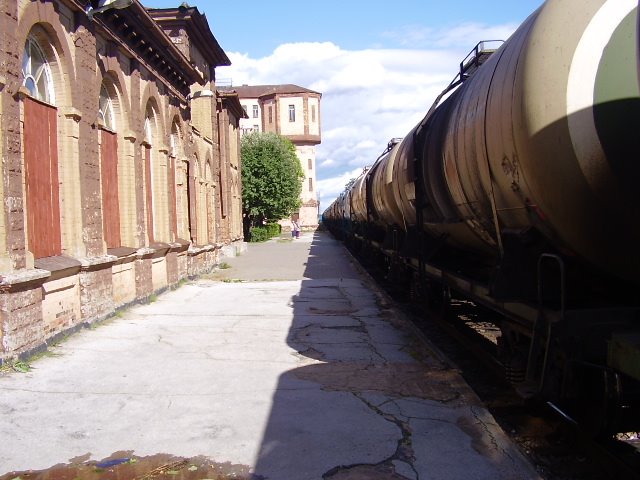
[293,112]
[120,162]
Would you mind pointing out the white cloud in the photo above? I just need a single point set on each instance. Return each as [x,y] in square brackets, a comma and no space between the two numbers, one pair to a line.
[330,188]
[368,96]
[327,163]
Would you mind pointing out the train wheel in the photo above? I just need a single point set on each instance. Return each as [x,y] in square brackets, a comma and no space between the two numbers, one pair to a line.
[596,408]
[431,295]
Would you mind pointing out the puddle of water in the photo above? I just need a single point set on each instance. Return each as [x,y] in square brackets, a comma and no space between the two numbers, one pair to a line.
[125,466]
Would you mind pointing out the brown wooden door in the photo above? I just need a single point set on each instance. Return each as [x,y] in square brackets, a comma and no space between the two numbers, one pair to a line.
[41,178]
[110,202]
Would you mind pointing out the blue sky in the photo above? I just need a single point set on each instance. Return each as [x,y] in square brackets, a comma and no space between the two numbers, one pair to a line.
[257,28]
[378,65]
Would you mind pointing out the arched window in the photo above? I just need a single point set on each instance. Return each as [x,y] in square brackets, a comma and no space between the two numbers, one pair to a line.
[175,140]
[105,109]
[148,132]
[148,138]
[175,151]
[157,177]
[40,154]
[37,73]
[109,170]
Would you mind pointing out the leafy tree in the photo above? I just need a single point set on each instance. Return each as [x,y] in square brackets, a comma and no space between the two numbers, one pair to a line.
[271,178]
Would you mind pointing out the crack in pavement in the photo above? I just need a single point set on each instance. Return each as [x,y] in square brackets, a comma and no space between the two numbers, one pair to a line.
[386,469]
[485,432]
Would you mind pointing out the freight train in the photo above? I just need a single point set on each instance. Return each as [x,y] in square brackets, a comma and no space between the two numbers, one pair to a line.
[520,190]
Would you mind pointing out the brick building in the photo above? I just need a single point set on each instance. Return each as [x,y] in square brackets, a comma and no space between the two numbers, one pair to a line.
[121,171]
[293,112]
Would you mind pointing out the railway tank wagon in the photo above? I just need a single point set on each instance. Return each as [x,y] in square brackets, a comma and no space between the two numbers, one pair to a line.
[519,189]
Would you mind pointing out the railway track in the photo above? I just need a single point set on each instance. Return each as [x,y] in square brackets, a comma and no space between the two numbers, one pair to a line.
[467,335]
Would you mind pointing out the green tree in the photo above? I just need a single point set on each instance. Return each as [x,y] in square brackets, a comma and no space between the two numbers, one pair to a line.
[271,178]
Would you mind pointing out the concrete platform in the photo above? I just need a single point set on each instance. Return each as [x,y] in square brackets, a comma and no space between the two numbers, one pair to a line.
[287,366]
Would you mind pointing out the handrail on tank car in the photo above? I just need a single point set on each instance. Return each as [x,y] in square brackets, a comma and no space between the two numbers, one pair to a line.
[474,58]
[392,143]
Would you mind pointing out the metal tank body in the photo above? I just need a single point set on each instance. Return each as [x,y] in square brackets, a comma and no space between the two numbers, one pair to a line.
[543,134]
[358,199]
[530,170]
[386,208]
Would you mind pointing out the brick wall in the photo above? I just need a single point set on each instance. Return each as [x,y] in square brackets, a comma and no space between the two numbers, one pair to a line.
[40,303]
[21,317]
[96,294]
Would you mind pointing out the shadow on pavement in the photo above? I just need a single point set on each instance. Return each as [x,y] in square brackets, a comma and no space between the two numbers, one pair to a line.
[325,422]
[369,399]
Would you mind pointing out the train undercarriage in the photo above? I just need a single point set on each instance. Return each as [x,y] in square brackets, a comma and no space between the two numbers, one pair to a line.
[563,340]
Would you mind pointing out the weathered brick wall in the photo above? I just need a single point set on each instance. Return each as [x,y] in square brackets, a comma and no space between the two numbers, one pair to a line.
[60,305]
[159,274]
[96,294]
[13,252]
[81,59]
[173,274]
[88,142]
[183,265]
[144,280]
[21,317]
[123,279]
[202,261]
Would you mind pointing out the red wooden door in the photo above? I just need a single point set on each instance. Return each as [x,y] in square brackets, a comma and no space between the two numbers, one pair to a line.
[41,178]
[110,203]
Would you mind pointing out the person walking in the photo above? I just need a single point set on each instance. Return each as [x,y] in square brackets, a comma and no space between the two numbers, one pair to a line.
[295,229]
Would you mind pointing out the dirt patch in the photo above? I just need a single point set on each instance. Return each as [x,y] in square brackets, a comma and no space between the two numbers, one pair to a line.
[125,466]
[364,472]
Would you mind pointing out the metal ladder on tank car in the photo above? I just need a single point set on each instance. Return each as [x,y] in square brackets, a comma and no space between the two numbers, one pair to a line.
[543,329]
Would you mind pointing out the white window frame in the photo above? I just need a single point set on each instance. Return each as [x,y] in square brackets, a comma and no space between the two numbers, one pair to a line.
[148,134]
[105,109]
[31,78]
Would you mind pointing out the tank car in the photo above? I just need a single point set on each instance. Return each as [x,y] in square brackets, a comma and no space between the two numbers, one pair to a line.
[518,189]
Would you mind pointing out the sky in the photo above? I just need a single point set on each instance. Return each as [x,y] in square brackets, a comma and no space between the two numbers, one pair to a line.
[378,65]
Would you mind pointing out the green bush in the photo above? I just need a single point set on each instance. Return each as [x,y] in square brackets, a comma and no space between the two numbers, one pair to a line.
[262,234]
[274,229]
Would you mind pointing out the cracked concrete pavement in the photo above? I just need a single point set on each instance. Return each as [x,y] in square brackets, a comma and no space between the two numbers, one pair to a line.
[288,363]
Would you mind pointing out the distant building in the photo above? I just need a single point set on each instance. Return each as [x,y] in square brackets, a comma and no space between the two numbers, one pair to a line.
[293,112]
